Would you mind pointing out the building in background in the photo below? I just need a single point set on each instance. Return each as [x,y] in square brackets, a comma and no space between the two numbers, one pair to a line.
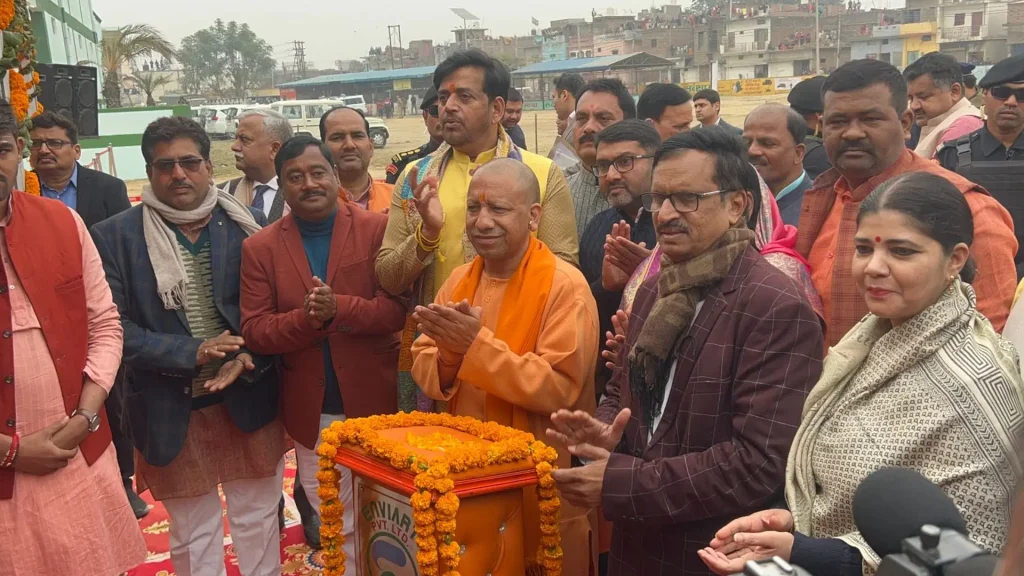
[68,32]
[896,44]
[1015,27]
[973,30]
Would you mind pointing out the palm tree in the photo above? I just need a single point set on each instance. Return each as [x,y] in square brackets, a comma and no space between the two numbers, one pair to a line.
[123,47]
[149,82]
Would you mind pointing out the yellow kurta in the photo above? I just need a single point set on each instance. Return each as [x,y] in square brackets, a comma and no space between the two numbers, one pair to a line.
[558,374]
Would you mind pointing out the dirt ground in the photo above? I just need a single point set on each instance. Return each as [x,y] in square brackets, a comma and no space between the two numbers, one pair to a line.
[408,133]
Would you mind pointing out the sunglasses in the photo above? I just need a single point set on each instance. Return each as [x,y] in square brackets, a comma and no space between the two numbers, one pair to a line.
[434,111]
[167,166]
[1004,93]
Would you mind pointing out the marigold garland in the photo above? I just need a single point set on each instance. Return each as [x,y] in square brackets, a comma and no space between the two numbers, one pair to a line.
[7,12]
[32,183]
[434,503]
[19,94]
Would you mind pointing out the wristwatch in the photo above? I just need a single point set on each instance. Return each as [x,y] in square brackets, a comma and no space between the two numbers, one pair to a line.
[92,417]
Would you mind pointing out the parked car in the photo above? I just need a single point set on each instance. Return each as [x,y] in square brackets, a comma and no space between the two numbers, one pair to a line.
[219,120]
[356,101]
[304,116]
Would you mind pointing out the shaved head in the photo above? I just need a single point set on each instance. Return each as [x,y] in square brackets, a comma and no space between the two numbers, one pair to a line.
[515,174]
[791,117]
[774,135]
[502,211]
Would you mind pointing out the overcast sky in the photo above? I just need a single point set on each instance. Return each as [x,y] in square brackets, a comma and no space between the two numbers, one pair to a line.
[345,29]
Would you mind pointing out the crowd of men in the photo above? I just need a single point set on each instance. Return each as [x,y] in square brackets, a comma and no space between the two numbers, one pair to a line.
[487,280]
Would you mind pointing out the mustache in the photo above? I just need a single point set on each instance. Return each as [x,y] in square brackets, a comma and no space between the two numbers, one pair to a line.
[587,137]
[312,194]
[674,226]
[858,146]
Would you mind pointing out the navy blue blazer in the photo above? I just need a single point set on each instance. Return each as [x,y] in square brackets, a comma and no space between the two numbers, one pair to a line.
[158,346]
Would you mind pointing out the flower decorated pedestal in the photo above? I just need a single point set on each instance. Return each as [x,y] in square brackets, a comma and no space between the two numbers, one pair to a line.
[437,495]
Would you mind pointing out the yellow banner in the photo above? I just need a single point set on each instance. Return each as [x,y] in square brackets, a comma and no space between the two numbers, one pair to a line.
[747,87]
[403,84]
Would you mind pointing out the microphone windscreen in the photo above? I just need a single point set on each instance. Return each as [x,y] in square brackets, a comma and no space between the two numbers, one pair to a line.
[892,504]
[984,565]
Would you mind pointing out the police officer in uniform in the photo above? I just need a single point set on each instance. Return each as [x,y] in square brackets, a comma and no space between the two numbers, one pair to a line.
[993,156]
[806,99]
[431,117]
[973,93]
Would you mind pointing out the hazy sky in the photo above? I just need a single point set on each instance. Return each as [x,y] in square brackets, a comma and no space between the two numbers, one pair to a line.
[345,29]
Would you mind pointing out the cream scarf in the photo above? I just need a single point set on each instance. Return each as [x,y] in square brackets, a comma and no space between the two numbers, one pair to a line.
[931,132]
[939,394]
[162,245]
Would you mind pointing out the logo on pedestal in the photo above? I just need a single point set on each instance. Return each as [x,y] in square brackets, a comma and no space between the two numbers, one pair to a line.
[385,532]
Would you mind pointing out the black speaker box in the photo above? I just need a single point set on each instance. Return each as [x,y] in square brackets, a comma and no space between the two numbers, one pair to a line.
[71,91]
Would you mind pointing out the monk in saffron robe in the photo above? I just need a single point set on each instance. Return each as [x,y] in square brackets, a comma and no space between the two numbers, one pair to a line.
[512,336]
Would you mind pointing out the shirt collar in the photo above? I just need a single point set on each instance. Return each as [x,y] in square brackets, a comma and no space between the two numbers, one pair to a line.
[989,143]
[793,186]
[72,183]
[272,184]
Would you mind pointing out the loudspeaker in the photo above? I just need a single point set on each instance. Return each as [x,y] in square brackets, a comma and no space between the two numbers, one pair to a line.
[84,87]
[55,89]
[71,91]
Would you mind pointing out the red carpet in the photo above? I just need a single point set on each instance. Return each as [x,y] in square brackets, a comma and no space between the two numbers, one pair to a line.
[296,557]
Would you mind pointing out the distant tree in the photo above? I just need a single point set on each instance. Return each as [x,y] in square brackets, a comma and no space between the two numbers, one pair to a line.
[130,42]
[149,82]
[225,59]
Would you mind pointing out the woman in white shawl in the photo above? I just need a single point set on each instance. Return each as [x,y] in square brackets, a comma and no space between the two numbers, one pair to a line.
[922,382]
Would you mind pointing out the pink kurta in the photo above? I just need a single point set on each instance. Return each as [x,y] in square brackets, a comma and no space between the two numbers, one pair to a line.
[76,521]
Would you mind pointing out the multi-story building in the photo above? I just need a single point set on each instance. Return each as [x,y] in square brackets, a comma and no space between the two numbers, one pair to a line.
[774,46]
[897,44]
[973,30]
[1015,27]
[67,32]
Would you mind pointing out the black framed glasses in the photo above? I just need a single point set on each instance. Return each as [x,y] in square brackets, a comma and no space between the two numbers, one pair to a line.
[682,202]
[1004,93]
[434,110]
[51,143]
[187,164]
[622,164]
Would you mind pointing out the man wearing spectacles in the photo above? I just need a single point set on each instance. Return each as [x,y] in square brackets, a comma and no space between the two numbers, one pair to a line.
[204,412]
[54,155]
[709,372]
[993,155]
[432,120]
[621,237]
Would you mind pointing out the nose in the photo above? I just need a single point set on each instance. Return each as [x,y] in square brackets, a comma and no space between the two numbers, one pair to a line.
[613,175]
[877,266]
[1012,100]
[854,131]
[915,104]
[754,150]
[237,146]
[667,213]
[178,172]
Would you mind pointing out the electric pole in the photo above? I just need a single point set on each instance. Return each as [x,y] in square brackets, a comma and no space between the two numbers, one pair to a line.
[395,40]
[299,60]
[817,38]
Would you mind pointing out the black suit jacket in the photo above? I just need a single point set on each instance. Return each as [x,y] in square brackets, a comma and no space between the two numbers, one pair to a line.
[158,345]
[100,196]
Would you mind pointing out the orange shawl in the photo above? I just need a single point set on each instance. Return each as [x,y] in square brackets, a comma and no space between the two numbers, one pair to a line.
[519,320]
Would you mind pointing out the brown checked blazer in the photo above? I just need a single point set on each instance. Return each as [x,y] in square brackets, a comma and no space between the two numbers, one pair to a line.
[743,371]
[363,336]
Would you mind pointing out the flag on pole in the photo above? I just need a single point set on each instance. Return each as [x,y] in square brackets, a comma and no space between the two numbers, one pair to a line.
[535,21]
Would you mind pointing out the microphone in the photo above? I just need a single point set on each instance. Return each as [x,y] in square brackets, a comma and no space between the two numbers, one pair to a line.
[915,527]
[892,504]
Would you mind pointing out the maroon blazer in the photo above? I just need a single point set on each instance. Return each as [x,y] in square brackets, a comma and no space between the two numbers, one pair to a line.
[743,371]
[364,336]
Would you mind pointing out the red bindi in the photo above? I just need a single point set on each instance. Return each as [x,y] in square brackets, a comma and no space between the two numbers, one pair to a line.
[451,87]
[878,239]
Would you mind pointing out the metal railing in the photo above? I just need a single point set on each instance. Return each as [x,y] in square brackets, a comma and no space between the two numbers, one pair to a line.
[962,33]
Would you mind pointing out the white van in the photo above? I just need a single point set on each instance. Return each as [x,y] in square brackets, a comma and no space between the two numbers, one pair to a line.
[304,116]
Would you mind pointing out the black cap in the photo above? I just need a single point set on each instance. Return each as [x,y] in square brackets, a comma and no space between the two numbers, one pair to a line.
[429,98]
[806,95]
[1008,70]
[966,68]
